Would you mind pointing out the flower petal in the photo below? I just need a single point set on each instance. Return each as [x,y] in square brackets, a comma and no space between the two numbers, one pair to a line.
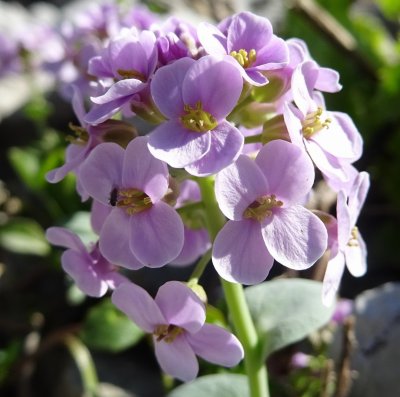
[98,215]
[100,113]
[239,253]
[288,170]
[295,237]
[114,240]
[177,359]
[344,220]
[120,89]
[102,171]
[142,171]
[238,185]
[160,228]
[333,275]
[212,39]
[64,238]
[138,305]
[176,145]
[356,257]
[328,80]
[358,194]
[181,306]
[226,145]
[79,267]
[216,345]
[216,83]
[166,87]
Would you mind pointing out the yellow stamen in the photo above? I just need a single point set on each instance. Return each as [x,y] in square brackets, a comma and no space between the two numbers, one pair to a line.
[353,242]
[198,120]
[131,74]
[81,136]
[244,58]
[313,123]
[262,207]
[132,200]
[167,333]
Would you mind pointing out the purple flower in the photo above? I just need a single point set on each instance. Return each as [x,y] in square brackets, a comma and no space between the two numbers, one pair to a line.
[129,59]
[92,273]
[261,198]
[351,249]
[196,96]
[330,138]
[86,138]
[196,240]
[176,319]
[141,229]
[248,38]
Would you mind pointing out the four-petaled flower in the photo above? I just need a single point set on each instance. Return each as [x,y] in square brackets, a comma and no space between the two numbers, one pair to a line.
[176,319]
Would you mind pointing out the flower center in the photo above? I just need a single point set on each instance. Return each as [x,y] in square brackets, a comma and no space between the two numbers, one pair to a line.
[262,207]
[132,200]
[198,120]
[167,333]
[313,123]
[353,242]
[244,58]
[80,136]
[131,74]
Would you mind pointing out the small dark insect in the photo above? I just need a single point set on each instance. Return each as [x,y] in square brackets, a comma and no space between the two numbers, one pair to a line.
[113,197]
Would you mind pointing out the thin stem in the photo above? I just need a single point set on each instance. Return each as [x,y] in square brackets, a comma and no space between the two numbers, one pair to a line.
[255,368]
[200,267]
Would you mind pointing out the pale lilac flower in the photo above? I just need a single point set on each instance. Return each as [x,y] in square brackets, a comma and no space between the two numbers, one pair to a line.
[176,319]
[130,60]
[351,249]
[92,273]
[141,229]
[300,360]
[249,39]
[343,309]
[196,96]
[261,198]
[86,138]
[330,138]
[196,240]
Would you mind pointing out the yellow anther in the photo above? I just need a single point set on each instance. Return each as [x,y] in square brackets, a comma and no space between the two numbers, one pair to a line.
[244,58]
[198,120]
[131,74]
[81,136]
[262,207]
[353,242]
[313,123]
[132,201]
[167,333]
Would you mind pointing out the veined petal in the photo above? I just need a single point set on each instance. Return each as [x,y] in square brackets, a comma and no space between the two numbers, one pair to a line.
[177,358]
[293,124]
[166,87]
[102,171]
[181,306]
[160,228]
[64,238]
[344,220]
[98,215]
[301,87]
[79,267]
[333,275]
[120,89]
[138,305]
[226,145]
[239,185]
[143,171]
[358,194]
[212,39]
[216,83]
[114,240]
[274,55]
[356,257]
[176,145]
[288,170]
[239,253]
[101,113]
[295,237]
[216,345]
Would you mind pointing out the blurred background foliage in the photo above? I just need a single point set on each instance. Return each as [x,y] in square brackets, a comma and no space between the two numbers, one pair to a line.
[46,324]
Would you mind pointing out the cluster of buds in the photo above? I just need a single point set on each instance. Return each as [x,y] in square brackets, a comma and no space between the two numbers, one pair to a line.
[233,103]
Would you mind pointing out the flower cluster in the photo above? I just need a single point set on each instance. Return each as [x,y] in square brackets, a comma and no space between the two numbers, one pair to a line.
[234,104]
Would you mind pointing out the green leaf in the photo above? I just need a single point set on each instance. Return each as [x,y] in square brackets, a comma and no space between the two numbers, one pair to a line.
[24,236]
[26,164]
[107,329]
[221,385]
[80,224]
[286,310]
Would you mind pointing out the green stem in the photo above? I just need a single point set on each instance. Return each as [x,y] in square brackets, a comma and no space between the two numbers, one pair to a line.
[255,368]
[200,267]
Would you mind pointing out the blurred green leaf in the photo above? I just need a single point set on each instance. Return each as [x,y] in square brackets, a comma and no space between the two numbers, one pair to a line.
[24,236]
[26,163]
[106,328]
[215,316]
[221,385]
[286,311]
[8,357]
[80,224]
